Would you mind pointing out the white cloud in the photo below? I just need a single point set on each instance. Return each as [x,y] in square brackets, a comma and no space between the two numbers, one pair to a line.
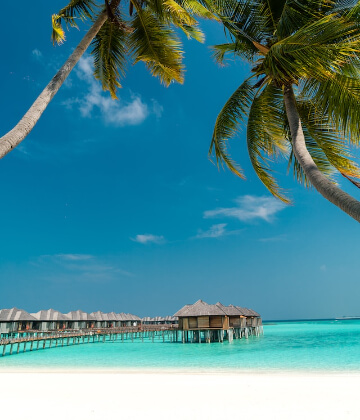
[74,257]
[80,267]
[148,238]
[215,231]
[249,208]
[36,53]
[157,109]
[114,112]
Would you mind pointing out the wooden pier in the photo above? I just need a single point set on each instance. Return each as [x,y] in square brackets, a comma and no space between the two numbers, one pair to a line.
[34,340]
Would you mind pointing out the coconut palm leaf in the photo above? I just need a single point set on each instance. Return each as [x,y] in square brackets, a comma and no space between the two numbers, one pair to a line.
[338,96]
[81,9]
[156,45]
[193,32]
[265,136]
[241,48]
[328,139]
[333,39]
[109,51]
[197,9]
[227,123]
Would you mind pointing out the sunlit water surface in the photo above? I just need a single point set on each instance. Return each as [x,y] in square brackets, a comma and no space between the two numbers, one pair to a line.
[332,345]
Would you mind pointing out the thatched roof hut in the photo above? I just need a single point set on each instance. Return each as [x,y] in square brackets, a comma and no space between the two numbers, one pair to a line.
[15,314]
[201,315]
[50,315]
[14,319]
[80,315]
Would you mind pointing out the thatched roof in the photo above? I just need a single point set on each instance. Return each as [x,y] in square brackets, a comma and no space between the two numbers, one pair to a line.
[99,316]
[248,312]
[80,316]
[112,316]
[50,315]
[14,314]
[201,308]
[230,310]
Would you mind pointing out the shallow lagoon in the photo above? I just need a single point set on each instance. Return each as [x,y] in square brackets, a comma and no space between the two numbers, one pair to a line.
[326,345]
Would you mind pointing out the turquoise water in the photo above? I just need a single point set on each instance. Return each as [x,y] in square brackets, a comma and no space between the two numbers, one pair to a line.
[306,345]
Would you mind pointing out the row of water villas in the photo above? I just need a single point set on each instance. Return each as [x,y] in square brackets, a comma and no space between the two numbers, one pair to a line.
[199,322]
[15,320]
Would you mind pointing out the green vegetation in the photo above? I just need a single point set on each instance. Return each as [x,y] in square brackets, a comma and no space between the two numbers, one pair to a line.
[302,100]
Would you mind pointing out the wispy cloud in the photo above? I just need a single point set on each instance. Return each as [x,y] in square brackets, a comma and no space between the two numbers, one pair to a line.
[215,231]
[79,267]
[249,208]
[74,257]
[37,54]
[114,112]
[278,238]
[323,267]
[148,238]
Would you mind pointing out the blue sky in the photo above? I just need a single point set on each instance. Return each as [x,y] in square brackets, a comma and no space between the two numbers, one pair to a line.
[115,206]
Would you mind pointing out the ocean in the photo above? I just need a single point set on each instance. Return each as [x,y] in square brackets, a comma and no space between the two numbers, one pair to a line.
[323,345]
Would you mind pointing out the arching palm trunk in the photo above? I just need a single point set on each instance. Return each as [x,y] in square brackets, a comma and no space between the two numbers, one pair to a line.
[28,121]
[325,187]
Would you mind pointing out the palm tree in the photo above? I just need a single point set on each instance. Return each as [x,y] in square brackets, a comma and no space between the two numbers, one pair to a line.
[146,33]
[302,100]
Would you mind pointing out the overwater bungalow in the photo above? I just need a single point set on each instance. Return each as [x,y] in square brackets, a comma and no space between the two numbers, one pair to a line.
[15,320]
[202,321]
[50,320]
[128,320]
[80,320]
[101,319]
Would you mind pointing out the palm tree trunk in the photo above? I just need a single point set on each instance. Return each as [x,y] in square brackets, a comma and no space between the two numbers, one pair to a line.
[325,187]
[14,137]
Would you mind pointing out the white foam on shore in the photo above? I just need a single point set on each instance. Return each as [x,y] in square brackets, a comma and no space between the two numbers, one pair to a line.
[168,395]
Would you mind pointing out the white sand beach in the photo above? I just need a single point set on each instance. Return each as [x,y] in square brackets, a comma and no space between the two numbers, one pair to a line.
[105,396]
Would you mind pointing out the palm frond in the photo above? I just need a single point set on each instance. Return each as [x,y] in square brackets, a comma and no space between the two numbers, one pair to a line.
[227,124]
[76,9]
[58,34]
[156,44]
[296,14]
[266,138]
[197,9]
[337,96]
[240,18]
[109,51]
[328,139]
[193,32]
[177,14]
[239,48]
[334,39]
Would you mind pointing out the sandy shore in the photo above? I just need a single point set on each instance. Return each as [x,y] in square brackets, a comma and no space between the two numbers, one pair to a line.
[86,396]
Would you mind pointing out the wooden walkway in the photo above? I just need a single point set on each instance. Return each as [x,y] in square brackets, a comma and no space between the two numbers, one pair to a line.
[35,340]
